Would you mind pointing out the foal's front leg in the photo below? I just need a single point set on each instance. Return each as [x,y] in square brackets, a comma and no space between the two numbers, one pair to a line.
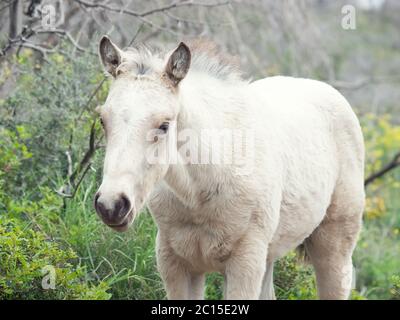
[181,284]
[245,268]
[196,287]
[179,281]
[174,273]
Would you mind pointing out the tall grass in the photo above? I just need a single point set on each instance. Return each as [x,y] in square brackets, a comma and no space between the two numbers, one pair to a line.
[377,256]
[126,261]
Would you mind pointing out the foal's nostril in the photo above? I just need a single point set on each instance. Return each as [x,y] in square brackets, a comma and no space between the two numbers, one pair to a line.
[101,208]
[122,206]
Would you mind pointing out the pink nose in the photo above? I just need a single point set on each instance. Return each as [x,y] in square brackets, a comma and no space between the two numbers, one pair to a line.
[114,213]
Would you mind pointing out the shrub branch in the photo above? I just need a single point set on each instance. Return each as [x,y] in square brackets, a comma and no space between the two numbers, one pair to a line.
[393,164]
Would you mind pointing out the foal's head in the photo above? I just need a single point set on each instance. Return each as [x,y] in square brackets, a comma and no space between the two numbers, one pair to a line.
[139,114]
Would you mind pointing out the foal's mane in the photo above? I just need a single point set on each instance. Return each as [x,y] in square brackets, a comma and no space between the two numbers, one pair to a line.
[207,57]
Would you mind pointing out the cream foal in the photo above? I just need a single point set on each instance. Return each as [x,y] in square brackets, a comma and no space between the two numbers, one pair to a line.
[300,180]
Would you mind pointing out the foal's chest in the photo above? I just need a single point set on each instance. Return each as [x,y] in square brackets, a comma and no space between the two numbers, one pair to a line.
[206,247]
[204,237]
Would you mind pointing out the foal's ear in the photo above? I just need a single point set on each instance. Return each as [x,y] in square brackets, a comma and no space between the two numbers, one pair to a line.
[178,64]
[110,55]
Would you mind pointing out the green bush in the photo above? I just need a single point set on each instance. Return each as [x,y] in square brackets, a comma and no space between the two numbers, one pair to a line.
[395,290]
[293,279]
[27,258]
[13,152]
[26,251]
[50,101]
[377,253]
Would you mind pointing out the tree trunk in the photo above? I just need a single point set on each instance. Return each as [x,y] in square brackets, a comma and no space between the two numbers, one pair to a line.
[15,19]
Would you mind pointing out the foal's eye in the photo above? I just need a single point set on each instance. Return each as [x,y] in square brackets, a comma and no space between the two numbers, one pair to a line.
[164,127]
[102,122]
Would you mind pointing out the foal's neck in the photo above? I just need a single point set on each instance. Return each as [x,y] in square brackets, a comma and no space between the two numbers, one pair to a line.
[205,104]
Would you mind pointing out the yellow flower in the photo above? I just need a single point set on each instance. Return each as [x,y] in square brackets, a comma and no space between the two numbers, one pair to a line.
[375,207]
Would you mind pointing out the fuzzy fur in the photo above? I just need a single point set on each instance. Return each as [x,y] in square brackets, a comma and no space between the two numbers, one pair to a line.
[306,182]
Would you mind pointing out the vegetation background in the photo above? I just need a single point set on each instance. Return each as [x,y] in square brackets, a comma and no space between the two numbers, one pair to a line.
[51,143]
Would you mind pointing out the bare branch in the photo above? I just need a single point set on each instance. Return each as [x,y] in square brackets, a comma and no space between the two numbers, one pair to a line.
[86,106]
[83,166]
[19,38]
[88,154]
[68,154]
[136,34]
[355,85]
[193,21]
[175,4]
[22,40]
[360,83]
[394,163]
[38,48]
[67,35]
[188,3]
[7,5]
[124,11]
[142,15]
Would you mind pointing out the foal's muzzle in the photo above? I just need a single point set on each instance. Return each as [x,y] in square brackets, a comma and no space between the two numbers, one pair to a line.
[117,214]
